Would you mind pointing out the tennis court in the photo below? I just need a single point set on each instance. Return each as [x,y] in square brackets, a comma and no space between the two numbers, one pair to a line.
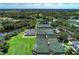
[49,44]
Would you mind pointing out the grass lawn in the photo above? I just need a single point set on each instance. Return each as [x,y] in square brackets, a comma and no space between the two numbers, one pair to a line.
[19,45]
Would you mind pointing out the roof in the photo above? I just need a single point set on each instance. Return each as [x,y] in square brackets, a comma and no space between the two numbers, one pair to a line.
[30,32]
[1,34]
[75,42]
[75,46]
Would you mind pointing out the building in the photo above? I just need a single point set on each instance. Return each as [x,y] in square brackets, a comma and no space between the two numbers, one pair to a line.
[75,46]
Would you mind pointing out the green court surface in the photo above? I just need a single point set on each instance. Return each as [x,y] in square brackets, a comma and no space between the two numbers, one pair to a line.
[42,46]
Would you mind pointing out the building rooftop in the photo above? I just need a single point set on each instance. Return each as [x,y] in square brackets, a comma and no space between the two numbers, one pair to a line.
[75,45]
[30,32]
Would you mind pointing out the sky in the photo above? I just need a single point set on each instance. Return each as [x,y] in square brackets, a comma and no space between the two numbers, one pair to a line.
[39,5]
[39,1]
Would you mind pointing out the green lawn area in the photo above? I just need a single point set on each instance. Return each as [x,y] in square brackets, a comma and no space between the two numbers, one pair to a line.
[19,45]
